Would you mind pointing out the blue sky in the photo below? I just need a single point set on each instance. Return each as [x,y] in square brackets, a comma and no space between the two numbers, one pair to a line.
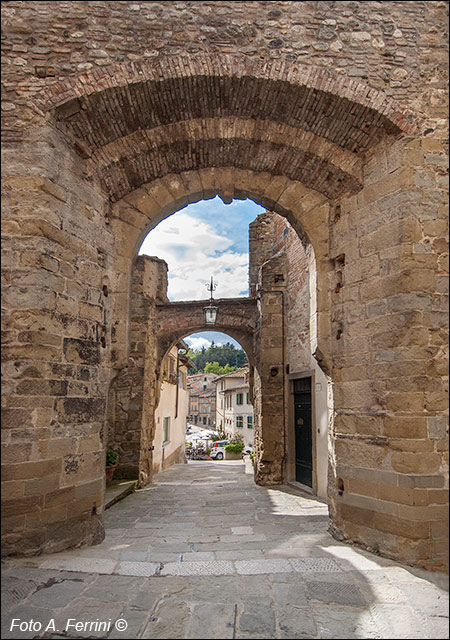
[208,238]
[198,340]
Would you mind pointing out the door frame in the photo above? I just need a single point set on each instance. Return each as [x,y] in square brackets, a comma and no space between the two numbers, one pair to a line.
[310,373]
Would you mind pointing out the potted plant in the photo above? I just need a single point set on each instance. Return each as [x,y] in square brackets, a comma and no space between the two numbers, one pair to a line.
[234,451]
[111,463]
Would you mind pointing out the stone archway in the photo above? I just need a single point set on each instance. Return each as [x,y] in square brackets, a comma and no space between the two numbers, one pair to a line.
[339,159]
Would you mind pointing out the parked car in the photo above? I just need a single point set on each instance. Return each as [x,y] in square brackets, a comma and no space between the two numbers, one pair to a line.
[218,449]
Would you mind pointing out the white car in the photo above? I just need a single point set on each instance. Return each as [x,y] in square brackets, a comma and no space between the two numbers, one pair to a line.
[218,449]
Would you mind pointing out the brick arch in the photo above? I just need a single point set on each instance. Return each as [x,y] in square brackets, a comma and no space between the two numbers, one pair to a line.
[137,122]
[236,317]
[259,146]
[124,75]
[226,128]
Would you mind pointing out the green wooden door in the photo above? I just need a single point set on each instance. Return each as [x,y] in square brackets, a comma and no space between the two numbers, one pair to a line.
[303,431]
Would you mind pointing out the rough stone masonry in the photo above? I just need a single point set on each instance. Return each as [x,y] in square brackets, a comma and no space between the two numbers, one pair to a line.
[333,115]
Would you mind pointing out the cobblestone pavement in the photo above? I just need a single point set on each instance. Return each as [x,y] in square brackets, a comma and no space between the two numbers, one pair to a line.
[205,553]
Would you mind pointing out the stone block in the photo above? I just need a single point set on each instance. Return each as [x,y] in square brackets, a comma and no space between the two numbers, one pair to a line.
[13,524]
[20,506]
[40,519]
[16,453]
[414,446]
[59,497]
[78,467]
[88,489]
[81,351]
[13,489]
[401,527]
[40,486]
[78,410]
[29,470]
[426,463]
[16,418]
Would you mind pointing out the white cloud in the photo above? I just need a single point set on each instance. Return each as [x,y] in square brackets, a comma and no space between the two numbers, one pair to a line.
[197,343]
[194,252]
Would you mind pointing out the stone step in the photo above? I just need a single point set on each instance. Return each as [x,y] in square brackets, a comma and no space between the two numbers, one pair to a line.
[119,491]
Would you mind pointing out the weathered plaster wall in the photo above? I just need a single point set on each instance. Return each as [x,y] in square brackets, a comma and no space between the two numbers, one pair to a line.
[173,404]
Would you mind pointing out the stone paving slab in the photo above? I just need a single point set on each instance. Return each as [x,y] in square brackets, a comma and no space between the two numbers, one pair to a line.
[214,568]
[252,567]
[137,568]
[303,565]
[74,563]
[119,491]
[269,570]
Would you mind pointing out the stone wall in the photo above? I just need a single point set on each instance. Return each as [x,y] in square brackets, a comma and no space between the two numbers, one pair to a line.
[57,341]
[126,397]
[274,243]
[388,356]
[395,47]
[271,234]
[333,114]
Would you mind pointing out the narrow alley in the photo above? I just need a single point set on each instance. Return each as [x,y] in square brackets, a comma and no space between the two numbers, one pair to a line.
[206,553]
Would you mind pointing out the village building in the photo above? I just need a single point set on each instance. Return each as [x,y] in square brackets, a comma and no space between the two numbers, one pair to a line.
[171,412]
[234,411]
[202,399]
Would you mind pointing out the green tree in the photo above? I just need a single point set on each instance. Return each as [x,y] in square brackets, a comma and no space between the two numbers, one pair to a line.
[214,367]
[223,356]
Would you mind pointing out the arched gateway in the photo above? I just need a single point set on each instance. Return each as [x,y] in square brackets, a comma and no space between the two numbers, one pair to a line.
[98,151]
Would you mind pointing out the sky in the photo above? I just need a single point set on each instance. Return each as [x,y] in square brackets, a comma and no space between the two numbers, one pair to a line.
[198,340]
[208,238]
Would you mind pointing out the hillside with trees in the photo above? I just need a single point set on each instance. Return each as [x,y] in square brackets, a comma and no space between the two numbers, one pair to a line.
[217,359]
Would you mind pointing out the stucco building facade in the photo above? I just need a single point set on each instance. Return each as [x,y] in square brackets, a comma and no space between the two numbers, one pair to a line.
[202,399]
[171,412]
[234,411]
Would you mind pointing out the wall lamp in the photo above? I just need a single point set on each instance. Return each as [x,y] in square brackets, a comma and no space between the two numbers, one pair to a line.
[211,309]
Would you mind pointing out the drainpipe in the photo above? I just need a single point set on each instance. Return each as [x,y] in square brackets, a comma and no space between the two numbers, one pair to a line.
[283,459]
[177,385]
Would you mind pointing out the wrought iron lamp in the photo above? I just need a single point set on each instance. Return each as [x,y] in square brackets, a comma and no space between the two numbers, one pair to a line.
[211,309]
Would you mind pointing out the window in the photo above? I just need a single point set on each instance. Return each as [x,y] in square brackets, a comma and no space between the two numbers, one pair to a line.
[204,419]
[205,379]
[239,422]
[249,422]
[248,397]
[239,398]
[166,429]
[205,386]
